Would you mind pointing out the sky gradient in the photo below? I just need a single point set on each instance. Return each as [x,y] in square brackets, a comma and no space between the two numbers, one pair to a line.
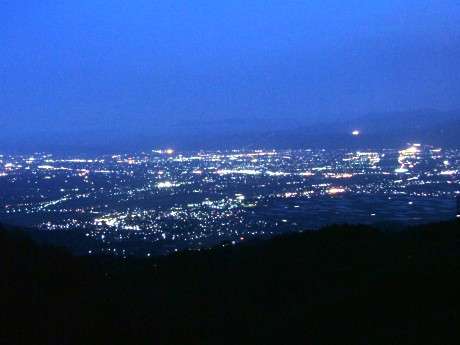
[108,69]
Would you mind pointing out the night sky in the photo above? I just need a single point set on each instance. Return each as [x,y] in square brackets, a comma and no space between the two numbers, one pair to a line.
[97,71]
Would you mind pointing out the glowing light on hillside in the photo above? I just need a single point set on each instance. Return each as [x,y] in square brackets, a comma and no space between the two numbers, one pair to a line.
[277,173]
[165,184]
[410,151]
[401,170]
[356,133]
[238,171]
[334,191]
[167,151]
[448,172]
[46,167]
[239,197]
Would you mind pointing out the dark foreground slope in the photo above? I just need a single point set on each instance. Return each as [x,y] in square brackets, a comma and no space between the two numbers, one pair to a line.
[341,285]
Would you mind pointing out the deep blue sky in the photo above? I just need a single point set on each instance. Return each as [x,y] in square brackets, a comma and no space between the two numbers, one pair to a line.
[102,68]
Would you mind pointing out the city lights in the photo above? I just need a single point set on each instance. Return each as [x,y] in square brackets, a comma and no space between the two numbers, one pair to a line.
[197,199]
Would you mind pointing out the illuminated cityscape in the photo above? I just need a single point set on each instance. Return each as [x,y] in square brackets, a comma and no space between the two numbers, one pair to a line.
[169,201]
[230,172]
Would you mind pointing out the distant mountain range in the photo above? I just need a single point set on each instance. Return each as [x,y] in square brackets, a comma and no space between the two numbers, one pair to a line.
[389,130]
[377,131]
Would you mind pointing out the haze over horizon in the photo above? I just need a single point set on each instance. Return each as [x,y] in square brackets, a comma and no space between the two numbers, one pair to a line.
[94,75]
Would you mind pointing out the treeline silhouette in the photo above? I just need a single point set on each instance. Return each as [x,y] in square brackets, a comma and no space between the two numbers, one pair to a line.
[340,285]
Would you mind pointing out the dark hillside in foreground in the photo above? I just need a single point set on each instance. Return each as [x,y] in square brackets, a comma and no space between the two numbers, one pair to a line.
[341,285]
